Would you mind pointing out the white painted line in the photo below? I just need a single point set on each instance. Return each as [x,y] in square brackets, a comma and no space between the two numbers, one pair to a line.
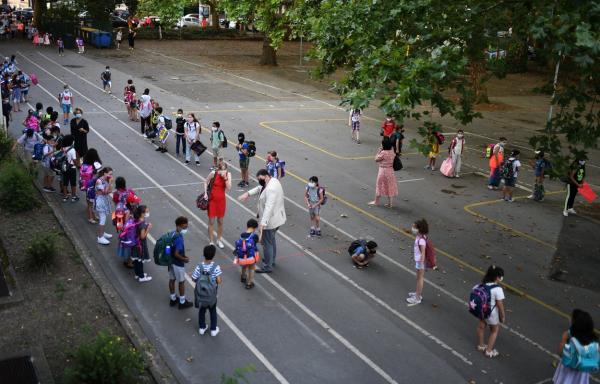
[167,186]
[309,312]
[545,381]
[406,181]
[229,323]
[462,301]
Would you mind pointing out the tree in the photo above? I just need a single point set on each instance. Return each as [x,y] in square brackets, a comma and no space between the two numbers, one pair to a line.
[271,17]
[169,11]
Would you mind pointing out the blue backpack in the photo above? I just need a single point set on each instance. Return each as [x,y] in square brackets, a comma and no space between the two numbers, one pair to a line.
[38,151]
[90,190]
[480,301]
[583,358]
[245,250]
[129,237]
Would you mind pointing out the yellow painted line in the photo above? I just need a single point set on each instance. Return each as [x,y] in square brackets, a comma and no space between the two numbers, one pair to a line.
[245,110]
[469,209]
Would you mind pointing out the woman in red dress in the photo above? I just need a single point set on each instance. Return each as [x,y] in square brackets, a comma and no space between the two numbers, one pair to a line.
[220,179]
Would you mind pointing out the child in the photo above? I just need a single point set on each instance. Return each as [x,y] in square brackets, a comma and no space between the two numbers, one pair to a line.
[31,122]
[388,126]
[61,46]
[80,45]
[433,139]
[420,229]
[510,171]
[456,149]
[396,138]
[163,130]
[246,253]
[217,138]
[140,254]
[274,165]
[119,38]
[39,110]
[132,107]
[539,171]
[179,132]
[210,273]
[90,165]
[16,93]
[362,252]
[105,76]
[152,133]
[243,153]
[354,123]
[47,39]
[491,281]
[47,154]
[314,199]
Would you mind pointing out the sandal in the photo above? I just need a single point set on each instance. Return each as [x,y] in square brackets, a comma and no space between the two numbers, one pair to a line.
[482,348]
[371,203]
[249,285]
[243,279]
[491,354]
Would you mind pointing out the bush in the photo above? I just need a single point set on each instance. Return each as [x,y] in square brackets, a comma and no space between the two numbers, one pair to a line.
[6,144]
[106,359]
[189,33]
[41,250]
[16,188]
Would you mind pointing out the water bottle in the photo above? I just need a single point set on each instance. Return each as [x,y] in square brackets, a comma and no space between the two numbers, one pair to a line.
[168,250]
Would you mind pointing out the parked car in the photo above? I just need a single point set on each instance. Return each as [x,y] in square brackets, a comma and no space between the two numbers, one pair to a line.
[186,21]
[118,22]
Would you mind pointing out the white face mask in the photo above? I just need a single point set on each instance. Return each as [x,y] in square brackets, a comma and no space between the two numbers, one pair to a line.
[581,162]
[312,185]
[214,129]
[147,215]
[501,278]
[414,230]
[183,231]
[460,136]
[179,115]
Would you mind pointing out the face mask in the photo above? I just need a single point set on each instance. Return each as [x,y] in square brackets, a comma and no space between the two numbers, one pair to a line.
[581,162]
[214,129]
[78,116]
[388,119]
[311,185]
[183,231]
[414,230]
[501,278]
[147,215]
[460,136]
[262,182]
[179,115]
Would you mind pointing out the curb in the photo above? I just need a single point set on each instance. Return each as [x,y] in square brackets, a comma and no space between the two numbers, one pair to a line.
[160,371]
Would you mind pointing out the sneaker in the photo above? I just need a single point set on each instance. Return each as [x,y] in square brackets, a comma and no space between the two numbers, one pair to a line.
[107,235]
[74,199]
[312,232]
[145,278]
[433,168]
[246,184]
[47,189]
[530,197]
[145,136]
[215,332]
[185,305]
[52,189]
[318,232]
[66,198]
[220,244]
[202,331]
[103,241]
[173,303]
[240,184]
[490,187]
[164,150]
[491,354]
[565,213]
[92,221]
[510,200]
[412,294]
[158,149]
[457,176]
[357,141]
[198,164]
[413,300]
[481,348]
[427,167]
[571,210]
[187,161]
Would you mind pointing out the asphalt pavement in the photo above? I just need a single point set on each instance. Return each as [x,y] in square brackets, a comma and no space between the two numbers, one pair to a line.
[317,319]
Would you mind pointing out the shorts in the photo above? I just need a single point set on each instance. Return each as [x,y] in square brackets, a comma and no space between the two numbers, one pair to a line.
[102,216]
[66,108]
[48,171]
[107,83]
[244,163]
[356,125]
[176,273]
[419,265]
[314,211]
[494,318]
[70,177]
[215,151]
[510,182]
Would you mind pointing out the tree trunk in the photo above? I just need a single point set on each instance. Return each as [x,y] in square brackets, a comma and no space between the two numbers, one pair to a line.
[215,18]
[476,73]
[269,55]
[38,11]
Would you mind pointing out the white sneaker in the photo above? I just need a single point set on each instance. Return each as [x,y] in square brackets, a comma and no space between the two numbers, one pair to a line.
[215,332]
[103,241]
[412,294]
[433,168]
[220,244]
[571,210]
[413,300]
[107,235]
[145,278]
[565,213]
[530,197]
[202,331]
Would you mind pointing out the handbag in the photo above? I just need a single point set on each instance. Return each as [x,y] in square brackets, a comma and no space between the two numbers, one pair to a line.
[397,163]
[203,199]
[198,147]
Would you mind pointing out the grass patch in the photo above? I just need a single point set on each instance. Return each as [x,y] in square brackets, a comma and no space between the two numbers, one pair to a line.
[17,193]
[42,250]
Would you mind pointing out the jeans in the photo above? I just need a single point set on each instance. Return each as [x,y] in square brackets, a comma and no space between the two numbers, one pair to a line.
[138,268]
[179,138]
[495,177]
[145,123]
[188,154]
[269,244]
[213,317]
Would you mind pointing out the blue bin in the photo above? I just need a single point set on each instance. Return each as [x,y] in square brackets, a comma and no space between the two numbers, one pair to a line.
[104,39]
[94,38]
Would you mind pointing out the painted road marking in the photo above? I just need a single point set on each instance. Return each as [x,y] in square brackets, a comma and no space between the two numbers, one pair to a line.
[305,309]
[456,260]
[406,181]
[168,186]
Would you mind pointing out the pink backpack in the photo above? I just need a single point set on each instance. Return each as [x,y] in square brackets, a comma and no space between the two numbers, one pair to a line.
[34,79]
[85,176]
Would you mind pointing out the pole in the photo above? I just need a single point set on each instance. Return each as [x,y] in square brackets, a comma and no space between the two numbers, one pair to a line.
[549,120]
[300,50]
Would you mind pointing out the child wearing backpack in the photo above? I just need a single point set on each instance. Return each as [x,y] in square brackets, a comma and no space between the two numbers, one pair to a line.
[420,229]
[243,148]
[362,252]
[487,304]
[579,350]
[163,126]
[539,171]
[246,253]
[139,252]
[434,139]
[217,140]
[47,153]
[90,165]
[314,198]
[274,166]
[510,171]
[207,277]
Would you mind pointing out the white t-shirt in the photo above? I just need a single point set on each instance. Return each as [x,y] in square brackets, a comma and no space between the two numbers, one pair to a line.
[497,293]
[46,155]
[71,156]
[516,165]
[192,130]
[419,241]
[458,147]
[145,106]
[66,97]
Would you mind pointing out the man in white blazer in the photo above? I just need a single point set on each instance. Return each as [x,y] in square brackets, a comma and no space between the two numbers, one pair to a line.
[271,215]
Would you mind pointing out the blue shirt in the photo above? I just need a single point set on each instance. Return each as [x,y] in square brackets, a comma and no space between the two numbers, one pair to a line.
[360,250]
[540,164]
[178,245]
[244,147]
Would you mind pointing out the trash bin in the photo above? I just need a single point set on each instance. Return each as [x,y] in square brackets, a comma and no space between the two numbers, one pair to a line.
[94,38]
[104,39]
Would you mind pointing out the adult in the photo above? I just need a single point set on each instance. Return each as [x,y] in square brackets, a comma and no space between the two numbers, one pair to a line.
[217,182]
[496,160]
[386,179]
[457,147]
[574,182]
[145,108]
[582,331]
[492,280]
[271,213]
[102,203]
[65,98]
[131,38]
[191,131]
[79,130]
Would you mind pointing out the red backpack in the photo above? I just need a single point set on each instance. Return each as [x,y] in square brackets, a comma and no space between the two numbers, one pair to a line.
[430,260]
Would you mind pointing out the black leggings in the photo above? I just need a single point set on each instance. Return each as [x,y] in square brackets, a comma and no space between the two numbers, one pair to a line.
[145,123]
[572,190]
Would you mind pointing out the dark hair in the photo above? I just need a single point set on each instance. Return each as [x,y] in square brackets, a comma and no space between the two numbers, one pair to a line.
[422,226]
[29,132]
[502,139]
[492,274]
[252,223]
[193,117]
[180,110]
[262,172]
[540,154]
[54,116]
[91,156]
[39,106]
[515,152]
[130,81]
[139,212]
[107,67]
[582,327]
[217,124]
[132,88]
[386,144]
[68,140]
[181,220]
[273,153]
[104,171]
[209,252]
[314,179]
[159,109]
[120,183]
[49,110]
[241,137]
[146,91]
[371,244]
